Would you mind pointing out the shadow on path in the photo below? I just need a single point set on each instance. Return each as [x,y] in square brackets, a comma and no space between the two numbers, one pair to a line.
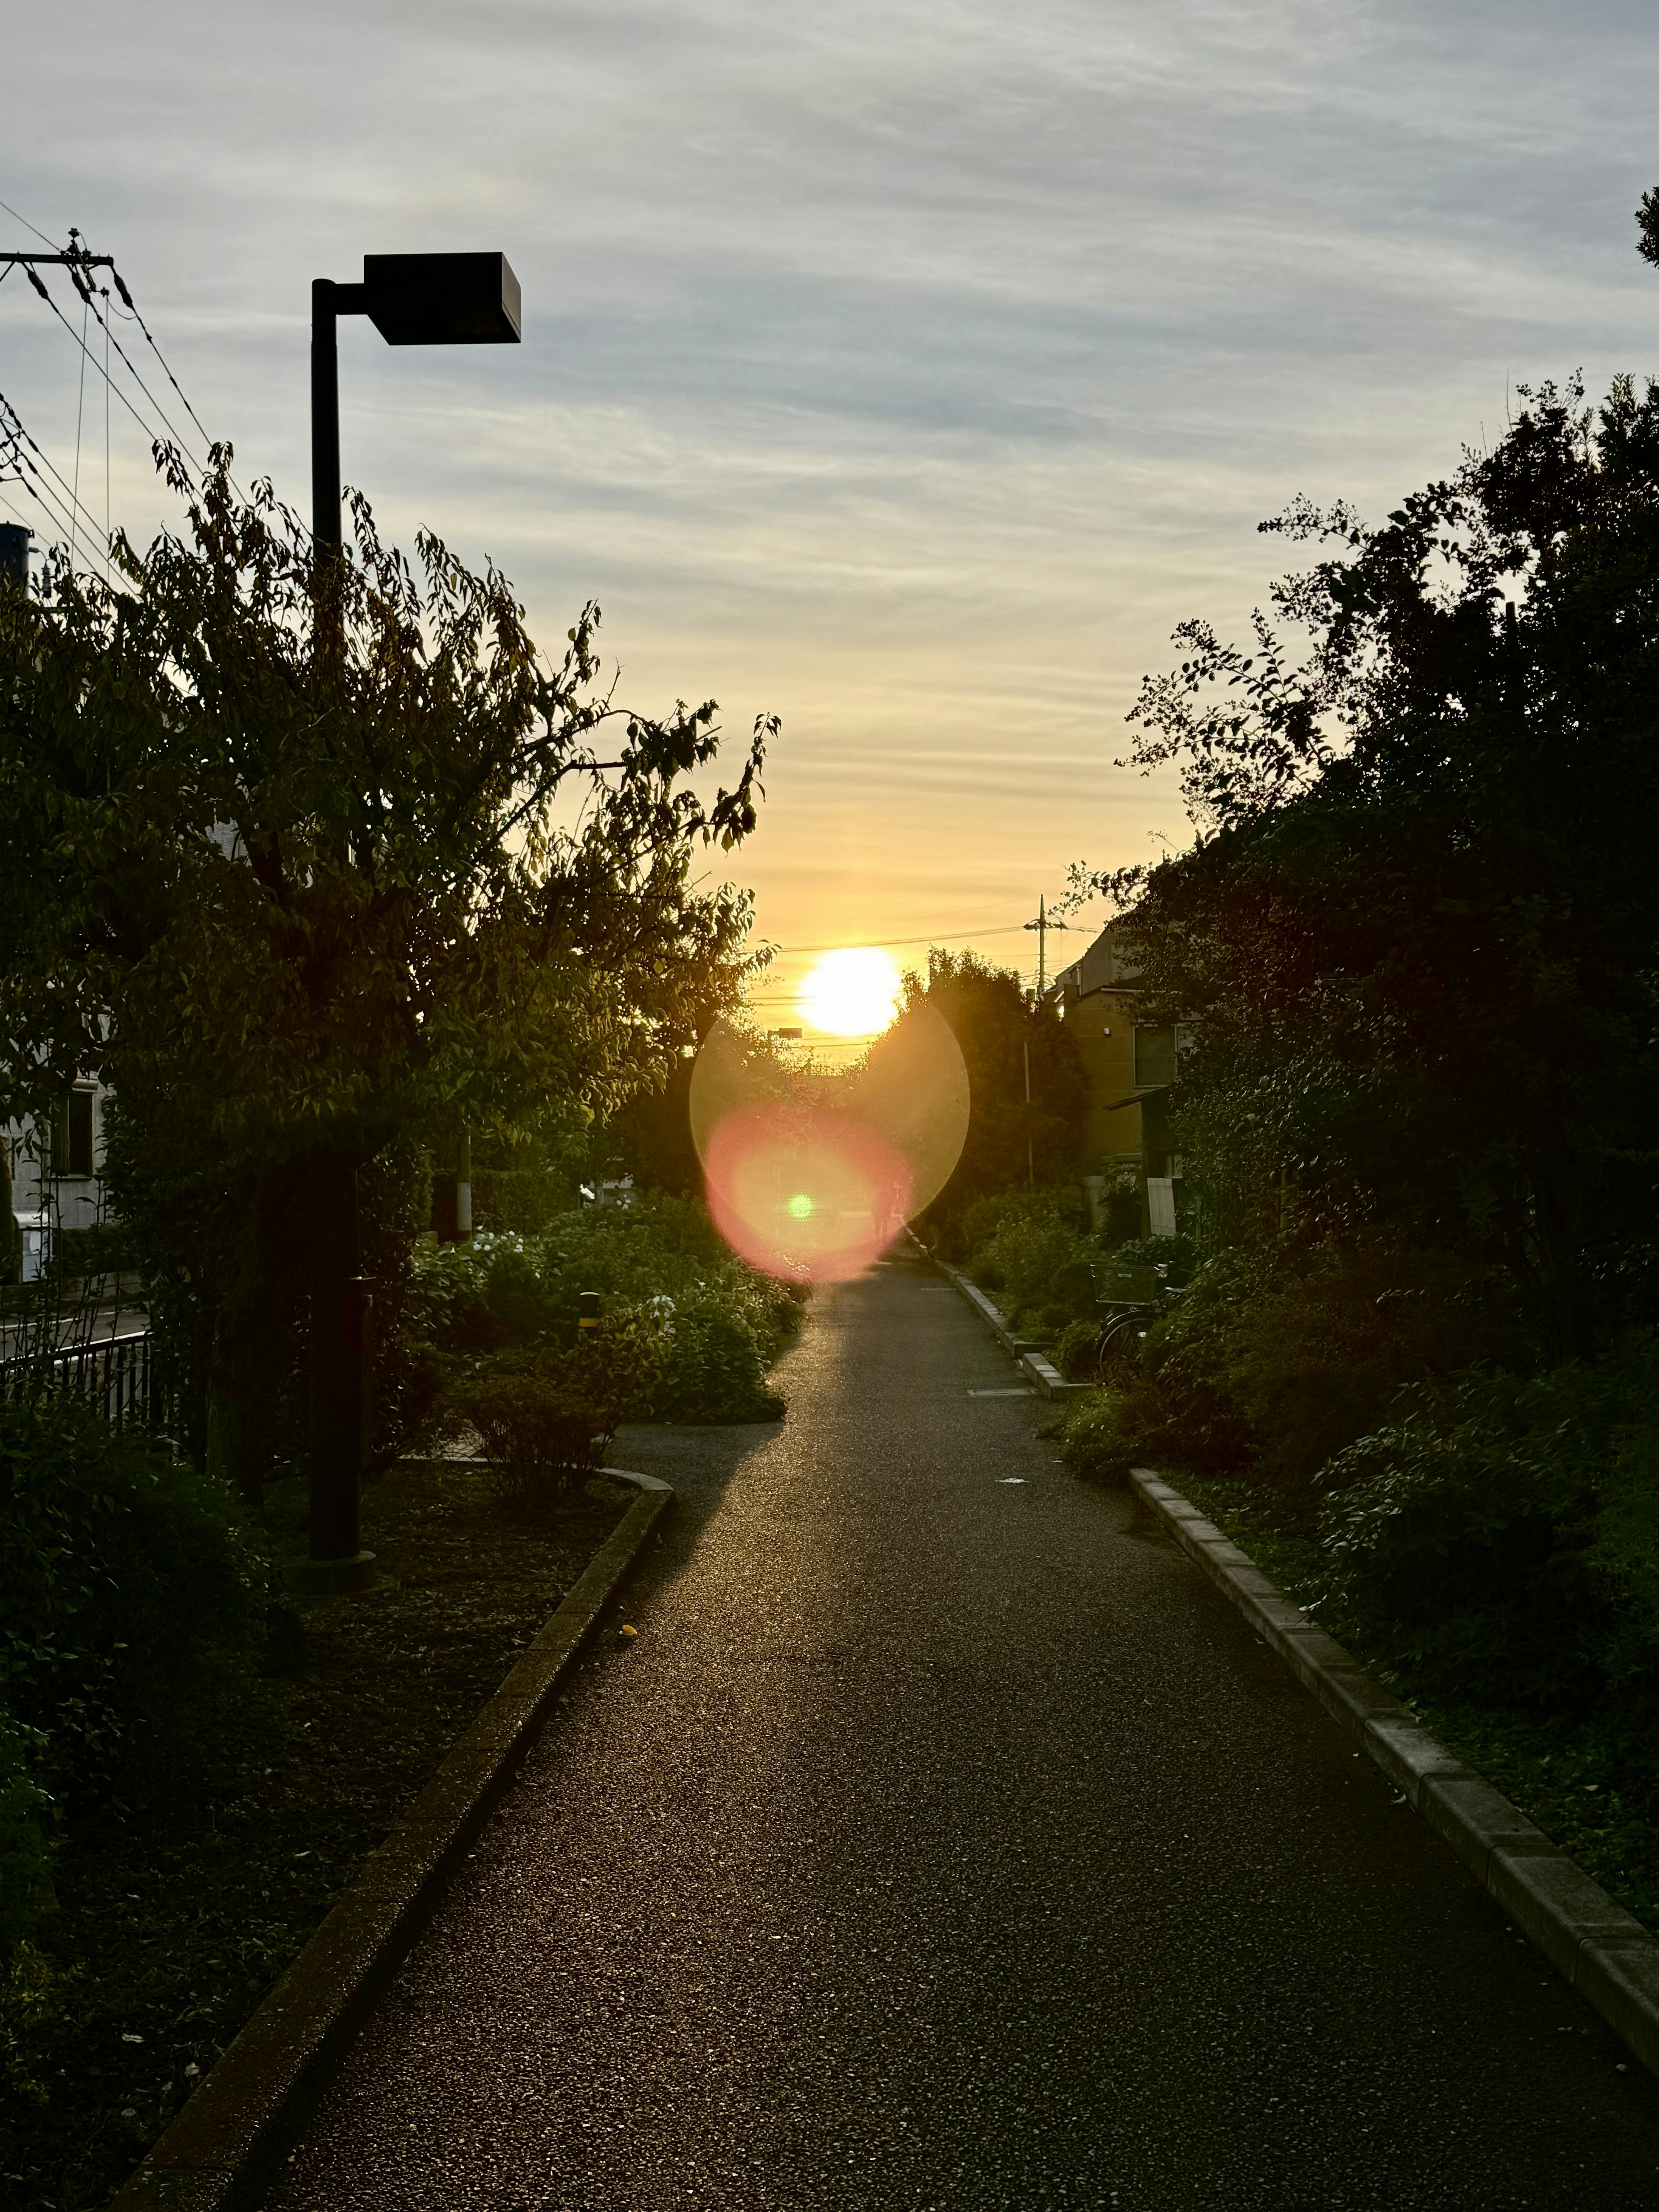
[943,1841]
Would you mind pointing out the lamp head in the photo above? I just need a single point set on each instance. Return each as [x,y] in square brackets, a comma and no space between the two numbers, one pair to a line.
[442,299]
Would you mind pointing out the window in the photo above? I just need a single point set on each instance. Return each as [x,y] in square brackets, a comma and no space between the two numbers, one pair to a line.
[1155,1056]
[72,1135]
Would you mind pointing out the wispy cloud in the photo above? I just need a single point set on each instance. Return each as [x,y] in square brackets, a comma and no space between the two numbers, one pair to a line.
[911,369]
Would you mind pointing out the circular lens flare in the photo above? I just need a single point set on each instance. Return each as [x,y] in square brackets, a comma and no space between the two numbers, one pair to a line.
[812,1177]
[852,993]
[810,1199]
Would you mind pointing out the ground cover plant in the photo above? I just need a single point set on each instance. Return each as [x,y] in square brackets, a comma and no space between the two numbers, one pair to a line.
[174,1876]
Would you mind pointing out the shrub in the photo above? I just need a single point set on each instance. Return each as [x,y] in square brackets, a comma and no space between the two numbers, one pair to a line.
[714,1372]
[1487,1536]
[131,1598]
[674,1294]
[538,1436]
[1032,1246]
[26,1889]
[1094,1442]
[103,1248]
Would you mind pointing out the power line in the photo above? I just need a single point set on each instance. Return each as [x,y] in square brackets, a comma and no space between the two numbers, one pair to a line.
[57,504]
[24,220]
[883,944]
[148,430]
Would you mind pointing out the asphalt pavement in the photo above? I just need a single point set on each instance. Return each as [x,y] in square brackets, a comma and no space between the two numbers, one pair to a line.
[944,1840]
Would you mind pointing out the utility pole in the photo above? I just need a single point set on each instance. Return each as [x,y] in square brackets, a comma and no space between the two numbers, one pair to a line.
[411,298]
[1043,924]
[1030,1163]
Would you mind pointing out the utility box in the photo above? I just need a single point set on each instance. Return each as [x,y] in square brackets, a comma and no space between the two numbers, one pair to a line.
[37,1244]
[15,553]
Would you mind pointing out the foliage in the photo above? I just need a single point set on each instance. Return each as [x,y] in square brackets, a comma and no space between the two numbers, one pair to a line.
[11,1236]
[103,1248]
[674,1298]
[26,1894]
[284,865]
[1414,944]
[1032,1246]
[715,1369]
[132,1597]
[999,1029]
[1417,935]
[1498,1535]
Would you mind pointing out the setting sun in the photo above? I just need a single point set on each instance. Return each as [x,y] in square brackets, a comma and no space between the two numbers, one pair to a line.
[852,993]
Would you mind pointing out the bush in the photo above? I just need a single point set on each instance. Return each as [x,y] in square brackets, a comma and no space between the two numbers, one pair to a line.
[104,1248]
[1498,1537]
[131,1599]
[26,1889]
[539,1437]
[714,1372]
[1033,1248]
[673,1294]
[1094,1441]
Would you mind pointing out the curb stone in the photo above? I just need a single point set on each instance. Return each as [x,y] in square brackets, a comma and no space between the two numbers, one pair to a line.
[1032,1364]
[226,2148]
[1605,1952]
[1607,1956]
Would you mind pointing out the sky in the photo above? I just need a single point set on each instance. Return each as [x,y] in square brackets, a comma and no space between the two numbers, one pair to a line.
[909,371]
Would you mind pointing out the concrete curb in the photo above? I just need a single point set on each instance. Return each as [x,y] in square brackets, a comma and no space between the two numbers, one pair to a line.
[1037,1369]
[226,2148]
[1592,1943]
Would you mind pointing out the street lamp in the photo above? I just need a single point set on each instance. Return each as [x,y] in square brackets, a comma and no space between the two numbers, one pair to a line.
[411,298]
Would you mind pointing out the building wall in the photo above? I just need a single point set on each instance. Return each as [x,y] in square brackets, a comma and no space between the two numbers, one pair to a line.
[75,1201]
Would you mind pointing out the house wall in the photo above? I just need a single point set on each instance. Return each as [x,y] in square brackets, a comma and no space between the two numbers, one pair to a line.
[76,1200]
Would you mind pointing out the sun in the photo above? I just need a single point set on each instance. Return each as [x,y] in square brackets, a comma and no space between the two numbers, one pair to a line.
[852,993]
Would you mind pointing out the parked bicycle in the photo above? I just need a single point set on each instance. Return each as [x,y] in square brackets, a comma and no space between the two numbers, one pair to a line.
[1129,1300]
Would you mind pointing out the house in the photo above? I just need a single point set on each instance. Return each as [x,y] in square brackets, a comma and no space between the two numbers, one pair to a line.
[1131,1066]
[55,1182]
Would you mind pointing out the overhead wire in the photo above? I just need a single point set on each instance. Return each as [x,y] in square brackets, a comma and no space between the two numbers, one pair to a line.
[27,224]
[80,412]
[133,306]
[148,429]
[55,503]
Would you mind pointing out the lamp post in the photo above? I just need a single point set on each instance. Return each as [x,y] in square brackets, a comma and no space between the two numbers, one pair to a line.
[411,298]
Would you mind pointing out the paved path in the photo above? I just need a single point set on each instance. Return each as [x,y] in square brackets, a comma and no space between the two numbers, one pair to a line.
[944,1840]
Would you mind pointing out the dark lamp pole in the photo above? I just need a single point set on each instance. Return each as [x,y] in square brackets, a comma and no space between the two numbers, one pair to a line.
[411,298]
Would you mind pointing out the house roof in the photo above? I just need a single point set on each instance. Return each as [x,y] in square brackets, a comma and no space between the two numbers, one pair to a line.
[1107,965]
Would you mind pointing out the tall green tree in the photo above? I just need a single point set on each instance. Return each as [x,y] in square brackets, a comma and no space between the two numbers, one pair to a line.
[306,869]
[1006,1037]
[1418,933]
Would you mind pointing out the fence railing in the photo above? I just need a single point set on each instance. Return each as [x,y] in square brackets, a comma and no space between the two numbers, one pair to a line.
[114,1374]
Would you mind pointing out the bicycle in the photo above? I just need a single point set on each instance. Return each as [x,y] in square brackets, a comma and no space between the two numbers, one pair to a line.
[1131,1298]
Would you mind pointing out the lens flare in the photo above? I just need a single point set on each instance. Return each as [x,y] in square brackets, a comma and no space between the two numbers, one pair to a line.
[809,1200]
[813,1177]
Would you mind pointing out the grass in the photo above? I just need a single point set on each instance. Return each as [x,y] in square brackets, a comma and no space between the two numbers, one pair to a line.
[189,1895]
[1591,1783]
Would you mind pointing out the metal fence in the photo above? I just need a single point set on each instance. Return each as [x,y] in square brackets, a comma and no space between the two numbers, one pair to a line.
[114,1374]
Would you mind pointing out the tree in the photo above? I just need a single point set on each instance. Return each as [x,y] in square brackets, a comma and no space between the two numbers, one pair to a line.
[292,860]
[1002,1029]
[1418,930]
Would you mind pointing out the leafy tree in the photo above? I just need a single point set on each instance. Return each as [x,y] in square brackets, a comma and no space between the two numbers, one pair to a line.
[998,1026]
[303,862]
[1420,928]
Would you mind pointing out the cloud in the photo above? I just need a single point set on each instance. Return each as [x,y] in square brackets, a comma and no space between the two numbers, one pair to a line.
[910,369]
